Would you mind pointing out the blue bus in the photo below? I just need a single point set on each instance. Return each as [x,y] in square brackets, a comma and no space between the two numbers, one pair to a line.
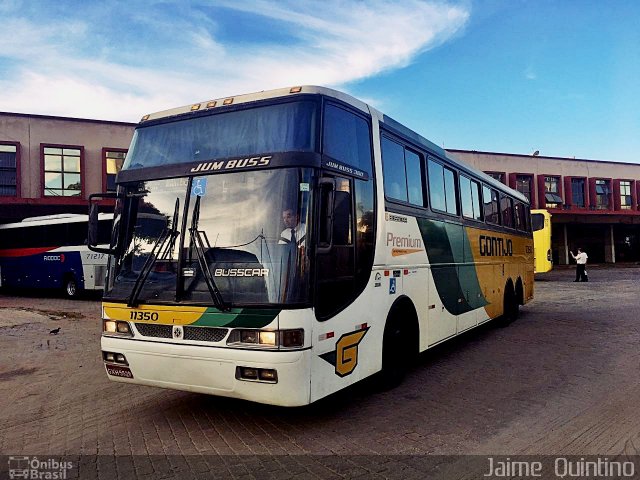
[51,252]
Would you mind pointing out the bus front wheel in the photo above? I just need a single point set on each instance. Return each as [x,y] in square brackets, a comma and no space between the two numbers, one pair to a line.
[399,347]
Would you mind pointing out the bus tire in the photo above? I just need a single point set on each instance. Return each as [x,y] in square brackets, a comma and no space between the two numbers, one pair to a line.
[511,306]
[519,293]
[399,346]
[71,289]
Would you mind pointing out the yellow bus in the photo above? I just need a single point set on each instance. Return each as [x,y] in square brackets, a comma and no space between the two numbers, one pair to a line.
[283,245]
[541,225]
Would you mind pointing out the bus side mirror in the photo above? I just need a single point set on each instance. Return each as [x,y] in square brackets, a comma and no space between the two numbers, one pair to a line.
[327,188]
[95,233]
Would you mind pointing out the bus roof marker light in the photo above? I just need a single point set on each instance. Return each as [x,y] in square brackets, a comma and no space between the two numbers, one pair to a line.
[145,118]
[228,101]
[295,90]
[195,106]
[212,104]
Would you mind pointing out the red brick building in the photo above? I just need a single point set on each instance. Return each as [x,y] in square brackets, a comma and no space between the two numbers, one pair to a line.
[594,204]
[51,165]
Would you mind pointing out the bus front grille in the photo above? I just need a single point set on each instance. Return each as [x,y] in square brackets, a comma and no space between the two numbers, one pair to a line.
[205,334]
[198,334]
[151,330]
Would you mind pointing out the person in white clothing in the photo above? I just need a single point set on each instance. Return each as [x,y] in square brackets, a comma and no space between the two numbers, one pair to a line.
[295,232]
[581,265]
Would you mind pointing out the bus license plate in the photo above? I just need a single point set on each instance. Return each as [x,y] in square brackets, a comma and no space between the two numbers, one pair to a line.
[119,371]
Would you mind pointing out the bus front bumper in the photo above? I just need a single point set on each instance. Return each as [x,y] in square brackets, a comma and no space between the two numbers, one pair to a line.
[212,370]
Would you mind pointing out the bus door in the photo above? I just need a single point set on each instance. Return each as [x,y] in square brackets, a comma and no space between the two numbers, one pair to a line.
[335,252]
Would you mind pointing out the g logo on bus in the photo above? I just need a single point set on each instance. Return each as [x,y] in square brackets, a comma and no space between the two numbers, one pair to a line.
[345,357]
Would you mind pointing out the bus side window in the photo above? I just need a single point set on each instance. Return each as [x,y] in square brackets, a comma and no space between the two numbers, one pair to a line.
[450,191]
[415,186]
[521,223]
[436,186]
[506,209]
[402,170]
[347,137]
[470,198]
[393,169]
[442,188]
[342,218]
[537,221]
[490,202]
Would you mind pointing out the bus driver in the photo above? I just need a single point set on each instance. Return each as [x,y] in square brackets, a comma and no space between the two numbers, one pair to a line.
[294,232]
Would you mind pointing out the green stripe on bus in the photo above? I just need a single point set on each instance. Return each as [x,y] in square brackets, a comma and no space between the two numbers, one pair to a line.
[237,317]
[448,246]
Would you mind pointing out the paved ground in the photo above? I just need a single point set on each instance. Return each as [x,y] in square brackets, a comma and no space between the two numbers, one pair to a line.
[563,380]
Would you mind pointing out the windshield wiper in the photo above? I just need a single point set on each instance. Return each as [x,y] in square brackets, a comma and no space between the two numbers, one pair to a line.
[197,244]
[168,233]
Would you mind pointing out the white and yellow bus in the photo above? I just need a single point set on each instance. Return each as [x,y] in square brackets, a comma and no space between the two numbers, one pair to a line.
[283,245]
[541,226]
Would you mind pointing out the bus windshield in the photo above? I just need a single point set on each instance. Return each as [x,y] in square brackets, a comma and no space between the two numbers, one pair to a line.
[236,240]
[284,127]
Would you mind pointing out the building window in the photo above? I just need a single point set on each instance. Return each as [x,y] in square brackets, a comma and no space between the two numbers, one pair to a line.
[552,192]
[8,170]
[603,188]
[577,192]
[497,175]
[113,164]
[523,185]
[625,195]
[62,172]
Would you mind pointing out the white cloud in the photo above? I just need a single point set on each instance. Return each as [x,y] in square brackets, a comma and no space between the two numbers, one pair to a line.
[332,43]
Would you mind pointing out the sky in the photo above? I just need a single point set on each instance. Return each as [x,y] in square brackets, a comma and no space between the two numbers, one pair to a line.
[558,76]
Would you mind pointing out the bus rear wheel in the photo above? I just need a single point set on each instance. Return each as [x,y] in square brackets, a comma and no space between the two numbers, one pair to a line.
[71,287]
[511,306]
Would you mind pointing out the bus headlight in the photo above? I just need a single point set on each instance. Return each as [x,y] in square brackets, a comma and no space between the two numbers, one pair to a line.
[116,327]
[112,357]
[268,338]
[250,374]
[293,338]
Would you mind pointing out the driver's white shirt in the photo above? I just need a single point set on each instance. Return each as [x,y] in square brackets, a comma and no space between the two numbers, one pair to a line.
[300,231]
